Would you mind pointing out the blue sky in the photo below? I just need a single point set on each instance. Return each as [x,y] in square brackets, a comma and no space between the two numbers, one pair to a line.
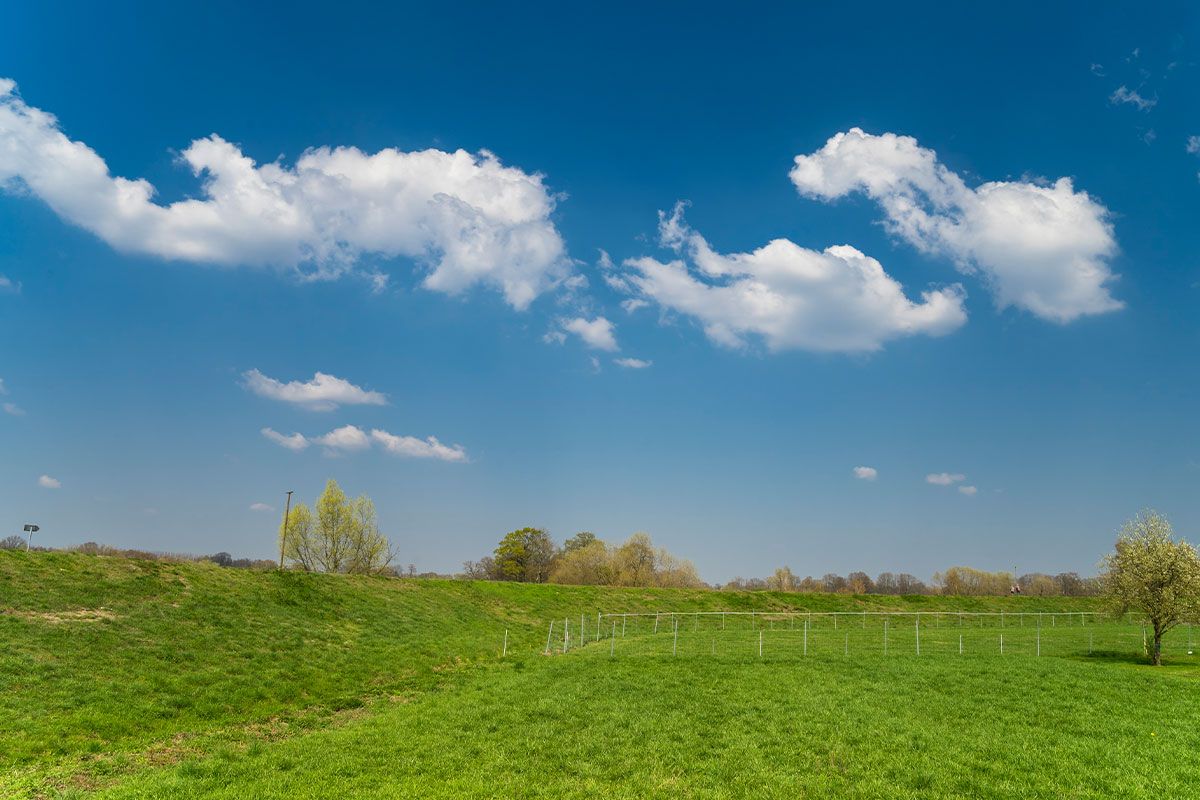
[976,317]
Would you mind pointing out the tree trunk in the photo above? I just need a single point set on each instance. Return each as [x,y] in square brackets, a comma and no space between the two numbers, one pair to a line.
[1157,652]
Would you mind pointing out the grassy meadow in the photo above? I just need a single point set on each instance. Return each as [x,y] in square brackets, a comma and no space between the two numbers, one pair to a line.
[125,678]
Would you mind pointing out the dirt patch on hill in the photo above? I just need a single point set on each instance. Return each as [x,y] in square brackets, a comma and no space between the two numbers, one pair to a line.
[59,617]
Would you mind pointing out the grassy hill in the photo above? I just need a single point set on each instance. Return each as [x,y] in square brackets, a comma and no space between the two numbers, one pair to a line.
[115,670]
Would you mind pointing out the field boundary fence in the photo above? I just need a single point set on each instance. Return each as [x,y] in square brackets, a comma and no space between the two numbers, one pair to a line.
[799,634]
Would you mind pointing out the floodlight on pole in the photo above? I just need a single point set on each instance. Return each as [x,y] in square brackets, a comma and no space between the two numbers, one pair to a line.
[287,512]
[31,530]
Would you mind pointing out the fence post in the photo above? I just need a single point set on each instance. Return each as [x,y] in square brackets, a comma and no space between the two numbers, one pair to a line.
[760,633]
[548,635]
[885,624]
[1002,644]
[806,637]
[675,644]
[918,615]
[846,651]
[566,633]
[960,643]
[582,632]
[656,622]
[612,642]
[504,652]
[1039,635]
[597,626]
[624,617]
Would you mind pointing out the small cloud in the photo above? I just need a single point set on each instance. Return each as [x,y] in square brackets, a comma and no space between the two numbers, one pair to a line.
[7,284]
[944,478]
[1098,70]
[296,442]
[967,490]
[347,438]
[1193,144]
[866,473]
[323,393]
[1127,96]
[605,261]
[596,334]
[261,507]
[595,362]
[633,304]
[412,447]
[13,409]
[46,482]
[632,363]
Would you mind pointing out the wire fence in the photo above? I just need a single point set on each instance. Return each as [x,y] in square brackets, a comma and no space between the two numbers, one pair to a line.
[799,634]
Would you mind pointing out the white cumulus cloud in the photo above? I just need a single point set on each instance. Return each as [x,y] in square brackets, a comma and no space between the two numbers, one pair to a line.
[968,490]
[296,441]
[346,438]
[944,478]
[350,438]
[412,447]
[839,300]
[46,482]
[261,507]
[595,333]
[14,410]
[1040,247]
[7,284]
[467,217]
[632,363]
[866,473]
[323,393]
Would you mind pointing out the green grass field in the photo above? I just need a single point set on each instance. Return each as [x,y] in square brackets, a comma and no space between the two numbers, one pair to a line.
[145,679]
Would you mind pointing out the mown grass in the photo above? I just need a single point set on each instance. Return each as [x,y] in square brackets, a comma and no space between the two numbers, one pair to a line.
[122,674]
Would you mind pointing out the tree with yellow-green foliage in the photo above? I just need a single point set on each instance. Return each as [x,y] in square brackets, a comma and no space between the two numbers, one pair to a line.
[1151,572]
[341,536]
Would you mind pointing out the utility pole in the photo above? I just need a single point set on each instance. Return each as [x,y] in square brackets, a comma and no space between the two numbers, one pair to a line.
[287,512]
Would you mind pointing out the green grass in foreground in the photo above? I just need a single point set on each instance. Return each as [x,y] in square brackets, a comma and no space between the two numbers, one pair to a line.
[585,725]
[158,679]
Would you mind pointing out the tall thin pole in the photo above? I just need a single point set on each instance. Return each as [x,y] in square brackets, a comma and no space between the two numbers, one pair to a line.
[548,635]
[287,512]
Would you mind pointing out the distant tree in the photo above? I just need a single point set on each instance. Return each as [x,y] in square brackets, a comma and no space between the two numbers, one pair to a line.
[970,581]
[909,584]
[1152,573]
[832,582]
[782,580]
[12,543]
[579,541]
[342,536]
[222,559]
[589,564]
[482,570]
[634,562]
[859,583]
[525,555]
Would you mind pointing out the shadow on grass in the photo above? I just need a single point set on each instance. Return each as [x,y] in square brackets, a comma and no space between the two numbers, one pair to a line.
[1177,664]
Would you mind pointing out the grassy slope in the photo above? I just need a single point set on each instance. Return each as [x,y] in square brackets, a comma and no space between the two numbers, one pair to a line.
[112,665]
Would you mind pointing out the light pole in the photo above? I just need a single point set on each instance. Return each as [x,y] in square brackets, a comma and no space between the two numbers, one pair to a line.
[31,530]
[287,512]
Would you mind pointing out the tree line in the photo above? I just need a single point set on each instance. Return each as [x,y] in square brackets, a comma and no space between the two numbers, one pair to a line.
[529,555]
[953,581]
